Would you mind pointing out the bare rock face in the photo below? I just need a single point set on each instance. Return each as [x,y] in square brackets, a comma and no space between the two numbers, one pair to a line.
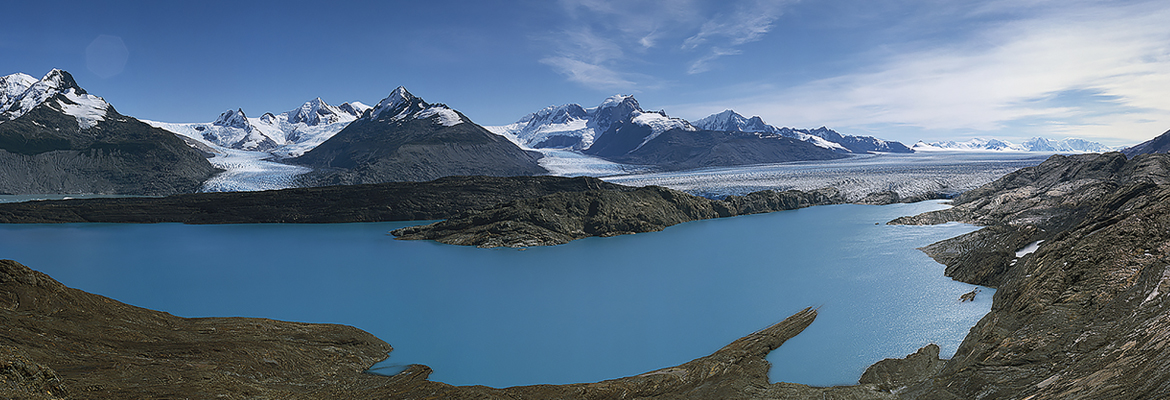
[1084,316]
[563,217]
[896,374]
[22,378]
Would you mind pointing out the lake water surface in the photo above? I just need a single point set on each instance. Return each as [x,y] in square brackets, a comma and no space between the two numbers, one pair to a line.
[590,310]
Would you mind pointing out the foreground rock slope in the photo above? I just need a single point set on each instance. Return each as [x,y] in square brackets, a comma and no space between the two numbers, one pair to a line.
[64,343]
[1086,314]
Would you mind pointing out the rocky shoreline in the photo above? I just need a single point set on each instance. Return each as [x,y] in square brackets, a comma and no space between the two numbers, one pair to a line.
[1086,314]
[1077,247]
[62,343]
[563,217]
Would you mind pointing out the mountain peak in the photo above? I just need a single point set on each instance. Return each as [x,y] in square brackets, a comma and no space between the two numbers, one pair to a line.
[61,80]
[394,101]
[235,119]
[314,112]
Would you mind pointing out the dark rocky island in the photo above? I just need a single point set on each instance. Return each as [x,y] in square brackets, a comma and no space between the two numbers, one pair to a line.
[564,217]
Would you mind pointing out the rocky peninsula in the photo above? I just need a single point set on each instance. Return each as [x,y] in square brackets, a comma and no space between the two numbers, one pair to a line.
[562,217]
[62,343]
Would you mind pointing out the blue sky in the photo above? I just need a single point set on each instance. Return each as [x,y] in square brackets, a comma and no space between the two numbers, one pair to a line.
[906,70]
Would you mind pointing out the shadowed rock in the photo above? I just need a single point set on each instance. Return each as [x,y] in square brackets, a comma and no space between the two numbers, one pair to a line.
[1086,315]
[564,217]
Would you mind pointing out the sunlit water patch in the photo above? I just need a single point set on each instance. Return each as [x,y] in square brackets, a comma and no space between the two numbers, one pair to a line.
[586,311]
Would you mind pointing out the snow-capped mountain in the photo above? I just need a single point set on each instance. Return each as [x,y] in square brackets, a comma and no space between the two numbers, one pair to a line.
[731,121]
[1068,145]
[22,93]
[57,138]
[571,126]
[404,138]
[1036,144]
[284,135]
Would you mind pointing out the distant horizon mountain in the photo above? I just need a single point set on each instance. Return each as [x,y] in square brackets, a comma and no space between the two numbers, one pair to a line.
[1036,144]
[729,120]
[56,138]
[404,138]
[285,135]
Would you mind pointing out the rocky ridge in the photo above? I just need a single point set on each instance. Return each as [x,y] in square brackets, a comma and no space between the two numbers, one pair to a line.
[563,217]
[1078,248]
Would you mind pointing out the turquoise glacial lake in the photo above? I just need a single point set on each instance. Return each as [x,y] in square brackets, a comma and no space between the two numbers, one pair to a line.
[590,310]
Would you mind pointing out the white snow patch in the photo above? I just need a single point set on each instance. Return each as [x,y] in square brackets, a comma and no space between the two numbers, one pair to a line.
[658,124]
[1154,293]
[88,109]
[1029,249]
[445,116]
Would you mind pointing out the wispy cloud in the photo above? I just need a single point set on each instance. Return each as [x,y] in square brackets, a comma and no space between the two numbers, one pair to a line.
[587,74]
[624,36]
[1005,78]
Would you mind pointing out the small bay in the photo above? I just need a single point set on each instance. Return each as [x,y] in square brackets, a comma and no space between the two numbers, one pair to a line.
[590,310]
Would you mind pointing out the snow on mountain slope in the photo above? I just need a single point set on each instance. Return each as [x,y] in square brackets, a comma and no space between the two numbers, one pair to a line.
[20,93]
[731,121]
[571,126]
[285,135]
[1036,144]
[12,86]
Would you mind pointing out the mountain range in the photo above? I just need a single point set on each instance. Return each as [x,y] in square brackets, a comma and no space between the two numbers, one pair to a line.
[404,138]
[1037,144]
[285,135]
[571,126]
[57,138]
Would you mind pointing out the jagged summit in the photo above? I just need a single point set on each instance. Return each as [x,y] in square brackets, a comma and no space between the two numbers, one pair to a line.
[62,139]
[234,119]
[404,138]
[729,120]
[575,127]
[21,94]
[394,102]
[316,112]
[401,106]
[14,85]
[288,134]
